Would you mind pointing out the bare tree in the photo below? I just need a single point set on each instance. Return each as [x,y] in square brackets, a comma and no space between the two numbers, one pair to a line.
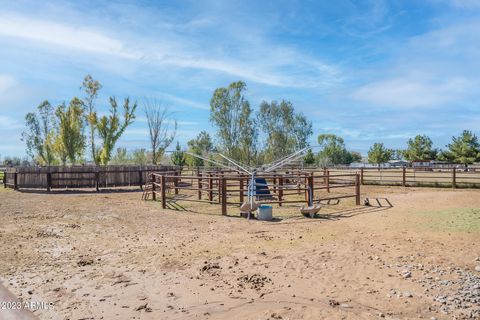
[161,135]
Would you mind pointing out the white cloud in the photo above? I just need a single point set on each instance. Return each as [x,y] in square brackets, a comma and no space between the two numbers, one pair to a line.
[411,92]
[259,61]
[6,83]
[80,38]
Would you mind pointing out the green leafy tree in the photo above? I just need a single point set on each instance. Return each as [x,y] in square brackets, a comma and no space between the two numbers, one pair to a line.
[39,135]
[464,149]
[354,156]
[91,88]
[420,149]
[309,158]
[110,128]
[231,113]
[333,150]
[178,156]
[378,154]
[285,130]
[121,156]
[161,136]
[202,145]
[70,141]
[140,157]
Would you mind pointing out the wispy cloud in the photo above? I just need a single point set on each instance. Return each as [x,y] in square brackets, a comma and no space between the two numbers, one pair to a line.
[7,123]
[412,92]
[70,36]
[178,52]
[6,82]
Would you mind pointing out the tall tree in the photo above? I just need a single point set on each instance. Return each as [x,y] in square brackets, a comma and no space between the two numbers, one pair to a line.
[159,128]
[110,128]
[39,135]
[378,154]
[334,151]
[309,157]
[71,138]
[285,130]
[202,145]
[178,156]
[91,88]
[464,149]
[420,149]
[231,113]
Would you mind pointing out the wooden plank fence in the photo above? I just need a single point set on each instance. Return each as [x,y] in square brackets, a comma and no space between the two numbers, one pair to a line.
[76,177]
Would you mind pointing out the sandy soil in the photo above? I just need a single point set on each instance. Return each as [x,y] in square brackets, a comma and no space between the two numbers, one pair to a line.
[113,256]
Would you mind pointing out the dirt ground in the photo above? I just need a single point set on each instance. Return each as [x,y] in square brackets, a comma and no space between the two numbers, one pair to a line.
[114,256]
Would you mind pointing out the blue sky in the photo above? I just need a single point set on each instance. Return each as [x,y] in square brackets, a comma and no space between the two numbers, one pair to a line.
[366,70]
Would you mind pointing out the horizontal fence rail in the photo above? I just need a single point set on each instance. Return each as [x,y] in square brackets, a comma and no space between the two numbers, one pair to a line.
[231,188]
[411,177]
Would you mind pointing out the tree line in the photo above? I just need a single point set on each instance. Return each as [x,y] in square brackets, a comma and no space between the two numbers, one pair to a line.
[56,135]
[69,133]
[463,149]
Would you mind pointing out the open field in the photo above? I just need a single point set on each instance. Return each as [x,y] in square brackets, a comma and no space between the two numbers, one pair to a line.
[113,256]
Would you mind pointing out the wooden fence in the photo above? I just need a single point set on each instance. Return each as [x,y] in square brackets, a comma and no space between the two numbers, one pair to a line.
[229,188]
[59,177]
[411,177]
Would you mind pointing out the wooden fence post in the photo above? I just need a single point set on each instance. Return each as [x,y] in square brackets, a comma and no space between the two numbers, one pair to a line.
[404,176]
[361,176]
[175,182]
[199,174]
[15,181]
[454,178]
[327,175]
[280,191]
[5,179]
[310,189]
[241,188]
[224,196]
[357,189]
[97,181]
[164,195]
[49,181]
[140,179]
[154,187]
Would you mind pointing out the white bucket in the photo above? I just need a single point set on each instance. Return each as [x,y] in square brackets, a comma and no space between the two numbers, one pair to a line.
[264,213]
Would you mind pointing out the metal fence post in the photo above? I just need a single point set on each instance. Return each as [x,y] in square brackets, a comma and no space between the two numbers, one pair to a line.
[199,174]
[224,196]
[175,182]
[280,191]
[154,187]
[241,188]
[164,195]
